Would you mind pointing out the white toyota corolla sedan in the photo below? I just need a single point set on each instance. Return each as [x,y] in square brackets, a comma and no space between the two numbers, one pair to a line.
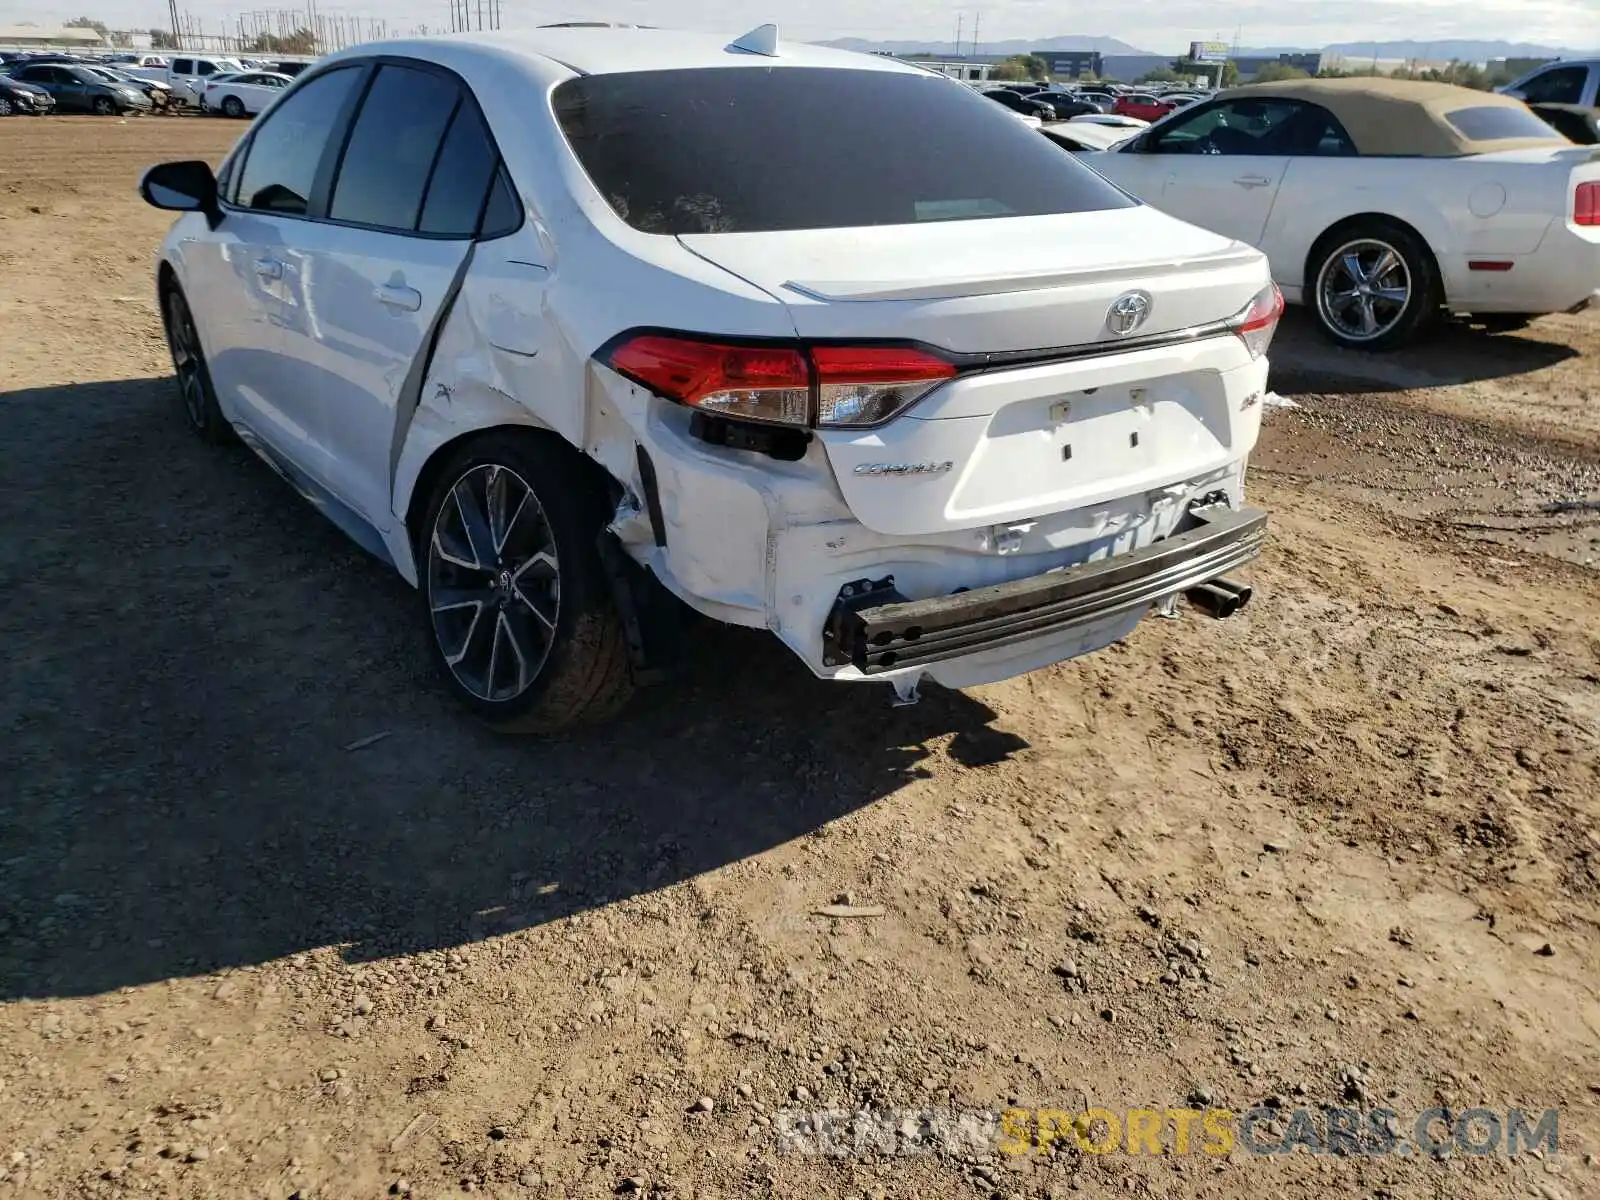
[566,323]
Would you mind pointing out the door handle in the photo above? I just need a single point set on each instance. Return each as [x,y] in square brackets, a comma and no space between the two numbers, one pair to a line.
[404,298]
[269,268]
[1253,181]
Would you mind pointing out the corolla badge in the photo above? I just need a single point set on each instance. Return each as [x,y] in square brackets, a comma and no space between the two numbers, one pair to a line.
[1128,312]
[906,468]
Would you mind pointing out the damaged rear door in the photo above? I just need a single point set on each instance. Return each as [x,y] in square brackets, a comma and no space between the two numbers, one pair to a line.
[372,282]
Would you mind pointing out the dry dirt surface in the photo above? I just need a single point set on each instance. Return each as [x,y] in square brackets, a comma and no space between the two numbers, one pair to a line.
[1343,849]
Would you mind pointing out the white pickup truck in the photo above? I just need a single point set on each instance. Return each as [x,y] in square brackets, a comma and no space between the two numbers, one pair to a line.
[187,74]
[1565,81]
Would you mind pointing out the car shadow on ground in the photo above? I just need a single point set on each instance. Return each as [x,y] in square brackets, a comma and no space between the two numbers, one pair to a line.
[1454,353]
[191,654]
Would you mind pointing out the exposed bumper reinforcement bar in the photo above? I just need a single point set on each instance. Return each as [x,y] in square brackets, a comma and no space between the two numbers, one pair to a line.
[874,628]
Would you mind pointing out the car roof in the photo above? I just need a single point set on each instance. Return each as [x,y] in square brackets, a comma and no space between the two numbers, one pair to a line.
[1396,116]
[609,50]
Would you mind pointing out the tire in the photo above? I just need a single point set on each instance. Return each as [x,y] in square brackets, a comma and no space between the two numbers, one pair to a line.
[104,106]
[1373,285]
[233,107]
[555,654]
[189,366]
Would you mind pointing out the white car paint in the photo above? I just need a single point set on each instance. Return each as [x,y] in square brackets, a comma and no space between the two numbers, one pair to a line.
[317,336]
[252,89]
[1508,207]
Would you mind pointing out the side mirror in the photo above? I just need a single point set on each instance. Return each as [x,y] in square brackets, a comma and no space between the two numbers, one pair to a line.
[182,187]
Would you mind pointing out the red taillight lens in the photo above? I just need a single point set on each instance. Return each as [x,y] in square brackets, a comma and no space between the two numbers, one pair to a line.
[1586,204]
[864,385]
[753,383]
[1258,321]
[855,385]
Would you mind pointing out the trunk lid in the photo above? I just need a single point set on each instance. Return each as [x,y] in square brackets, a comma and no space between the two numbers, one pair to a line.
[1003,284]
[1004,446]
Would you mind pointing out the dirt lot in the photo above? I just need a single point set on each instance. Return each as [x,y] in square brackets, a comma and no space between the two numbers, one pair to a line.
[1344,849]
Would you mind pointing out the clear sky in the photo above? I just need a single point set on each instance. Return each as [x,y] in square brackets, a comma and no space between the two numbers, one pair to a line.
[1158,25]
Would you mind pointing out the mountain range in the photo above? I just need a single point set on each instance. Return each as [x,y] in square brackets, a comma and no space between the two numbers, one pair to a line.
[1442,50]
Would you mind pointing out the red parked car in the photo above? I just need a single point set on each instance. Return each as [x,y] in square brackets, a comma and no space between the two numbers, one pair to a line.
[1142,105]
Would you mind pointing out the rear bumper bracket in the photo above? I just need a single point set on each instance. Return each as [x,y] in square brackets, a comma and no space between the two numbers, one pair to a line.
[875,629]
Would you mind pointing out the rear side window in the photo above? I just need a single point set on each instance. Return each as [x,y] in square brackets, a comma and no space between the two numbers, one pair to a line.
[1490,123]
[755,149]
[467,163]
[392,147]
[286,146]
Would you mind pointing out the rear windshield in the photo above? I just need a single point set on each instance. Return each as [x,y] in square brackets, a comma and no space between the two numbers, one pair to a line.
[1492,122]
[759,149]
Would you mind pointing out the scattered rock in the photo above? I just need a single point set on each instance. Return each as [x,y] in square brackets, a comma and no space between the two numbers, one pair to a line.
[1200,1096]
[744,1091]
[850,911]
[328,1074]
[1528,758]
[633,1183]
[703,1105]
[1276,847]
[801,1093]
[198,1154]
[363,1004]
[1546,951]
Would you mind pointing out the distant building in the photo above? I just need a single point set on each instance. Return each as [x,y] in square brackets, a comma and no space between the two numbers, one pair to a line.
[1516,68]
[1249,65]
[48,37]
[1072,64]
[1358,63]
[1127,68]
[968,70]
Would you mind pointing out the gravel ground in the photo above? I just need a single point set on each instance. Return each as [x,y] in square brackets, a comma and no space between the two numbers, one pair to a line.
[276,920]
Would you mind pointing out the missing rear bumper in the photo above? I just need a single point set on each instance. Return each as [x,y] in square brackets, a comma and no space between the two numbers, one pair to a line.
[872,627]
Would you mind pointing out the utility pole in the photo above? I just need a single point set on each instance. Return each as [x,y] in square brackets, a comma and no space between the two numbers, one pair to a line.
[177,32]
[959,17]
[977,21]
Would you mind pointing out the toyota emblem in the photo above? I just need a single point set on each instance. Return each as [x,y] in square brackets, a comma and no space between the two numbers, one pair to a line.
[1128,313]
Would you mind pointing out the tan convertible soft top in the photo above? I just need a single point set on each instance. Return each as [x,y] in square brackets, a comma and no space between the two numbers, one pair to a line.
[1399,116]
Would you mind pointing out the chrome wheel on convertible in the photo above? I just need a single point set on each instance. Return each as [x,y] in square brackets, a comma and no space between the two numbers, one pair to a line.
[1364,290]
[494,583]
[1372,284]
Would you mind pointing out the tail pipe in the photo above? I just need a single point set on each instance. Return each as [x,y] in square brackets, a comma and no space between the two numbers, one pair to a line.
[1220,597]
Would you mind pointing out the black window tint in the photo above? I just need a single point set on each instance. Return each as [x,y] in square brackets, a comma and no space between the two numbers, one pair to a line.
[461,179]
[392,147]
[281,163]
[1491,122]
[205,68]
[504,214]
[1563,85]
[726,149]
[182,66]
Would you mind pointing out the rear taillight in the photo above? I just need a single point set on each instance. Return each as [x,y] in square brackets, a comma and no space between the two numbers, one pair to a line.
[1586,204]
[784,384]
[1258,321]
[866,385]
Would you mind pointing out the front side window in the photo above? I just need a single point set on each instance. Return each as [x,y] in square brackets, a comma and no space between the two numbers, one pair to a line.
[280,166]
[761,149]
[182,66]
[392,146]
[1243,126]
[1562,85]
[205,68]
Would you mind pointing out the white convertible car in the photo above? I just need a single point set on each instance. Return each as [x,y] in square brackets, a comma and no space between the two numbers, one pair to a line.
[539,318]
[1383,203]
